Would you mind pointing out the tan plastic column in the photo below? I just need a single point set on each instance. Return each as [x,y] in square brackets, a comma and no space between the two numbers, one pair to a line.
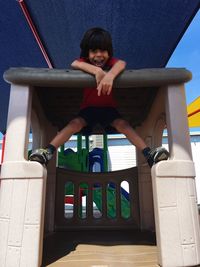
[175,202]
[22,190]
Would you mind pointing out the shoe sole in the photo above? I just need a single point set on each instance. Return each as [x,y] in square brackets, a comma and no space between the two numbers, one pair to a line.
[38,158]
[161,156]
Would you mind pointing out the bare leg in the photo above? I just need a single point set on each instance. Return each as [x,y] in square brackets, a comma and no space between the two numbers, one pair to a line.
[152,155]
[72,127]
[124,127]
[43,155]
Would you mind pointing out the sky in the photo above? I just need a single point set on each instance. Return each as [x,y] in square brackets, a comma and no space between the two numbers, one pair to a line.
[187,55]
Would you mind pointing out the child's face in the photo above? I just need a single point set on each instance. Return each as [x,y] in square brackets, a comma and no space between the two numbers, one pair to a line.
[98,57]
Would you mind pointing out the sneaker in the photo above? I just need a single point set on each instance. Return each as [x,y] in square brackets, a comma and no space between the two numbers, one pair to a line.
[41,155]
[156,155]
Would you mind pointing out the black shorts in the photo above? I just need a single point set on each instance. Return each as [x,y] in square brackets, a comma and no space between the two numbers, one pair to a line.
[99,115]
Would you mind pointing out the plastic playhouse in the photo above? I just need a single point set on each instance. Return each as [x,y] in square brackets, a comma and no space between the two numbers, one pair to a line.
[162,199]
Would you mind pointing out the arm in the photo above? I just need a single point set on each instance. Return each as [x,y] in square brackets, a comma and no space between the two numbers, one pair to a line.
[89,68]
[105,85]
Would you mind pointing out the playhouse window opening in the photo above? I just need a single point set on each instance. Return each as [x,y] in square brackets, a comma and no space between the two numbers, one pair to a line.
[111,200]
[83,200]
[165,142]
[69,200]
[125,199]
[97,200]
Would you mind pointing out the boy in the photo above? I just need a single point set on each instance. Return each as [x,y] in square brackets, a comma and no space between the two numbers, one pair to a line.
[99,105]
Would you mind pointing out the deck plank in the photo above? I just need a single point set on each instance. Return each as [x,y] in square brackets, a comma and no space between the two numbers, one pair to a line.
[100,249]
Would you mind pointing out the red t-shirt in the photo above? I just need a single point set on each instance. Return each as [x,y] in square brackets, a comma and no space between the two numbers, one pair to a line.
[90,95]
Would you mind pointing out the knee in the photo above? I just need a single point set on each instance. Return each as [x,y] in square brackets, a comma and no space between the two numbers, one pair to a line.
[121,125]
[76,125]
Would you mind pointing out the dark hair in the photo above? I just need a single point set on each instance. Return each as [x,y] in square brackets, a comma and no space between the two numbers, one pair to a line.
[96,38]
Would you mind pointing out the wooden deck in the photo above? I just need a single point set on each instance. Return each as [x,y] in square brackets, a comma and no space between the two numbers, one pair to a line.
[100,249]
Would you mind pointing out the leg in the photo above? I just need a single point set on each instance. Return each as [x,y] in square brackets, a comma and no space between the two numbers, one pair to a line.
[124,127]
[72,127]
[43,155]
[152,155]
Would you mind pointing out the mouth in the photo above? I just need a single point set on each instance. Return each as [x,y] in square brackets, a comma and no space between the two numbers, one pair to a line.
[99,62]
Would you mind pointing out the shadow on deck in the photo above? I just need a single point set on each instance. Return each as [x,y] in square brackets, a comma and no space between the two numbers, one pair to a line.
[100,248]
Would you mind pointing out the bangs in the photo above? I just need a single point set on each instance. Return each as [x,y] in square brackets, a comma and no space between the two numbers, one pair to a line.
[99,42]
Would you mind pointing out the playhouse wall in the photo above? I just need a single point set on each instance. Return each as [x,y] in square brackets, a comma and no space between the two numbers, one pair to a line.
[151,131]
[43,132]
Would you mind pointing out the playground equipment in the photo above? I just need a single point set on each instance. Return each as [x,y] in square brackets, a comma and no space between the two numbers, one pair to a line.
[155,98]
[193,110]
[75,160]
[83,159]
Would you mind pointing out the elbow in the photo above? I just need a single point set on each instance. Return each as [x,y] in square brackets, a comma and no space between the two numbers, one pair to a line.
[74,64]
[123,64]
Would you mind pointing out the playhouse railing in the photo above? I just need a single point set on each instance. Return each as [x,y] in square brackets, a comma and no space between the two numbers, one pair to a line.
[107,204]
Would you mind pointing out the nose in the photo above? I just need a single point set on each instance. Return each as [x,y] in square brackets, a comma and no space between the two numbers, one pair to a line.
[98,52]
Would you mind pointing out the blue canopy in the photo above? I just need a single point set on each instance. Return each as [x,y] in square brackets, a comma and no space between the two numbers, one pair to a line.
[145,33]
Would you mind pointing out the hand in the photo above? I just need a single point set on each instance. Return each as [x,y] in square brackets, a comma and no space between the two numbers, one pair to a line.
[99,76]
[106,84]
